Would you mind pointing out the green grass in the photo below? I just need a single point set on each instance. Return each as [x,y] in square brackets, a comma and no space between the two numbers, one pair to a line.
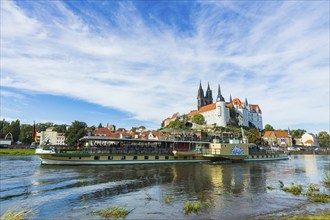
[112,212]
[167,198]
[270,188]
[294,189]
[17,152]
[322,216]
[313,188]
[194,206]
[16,215]
[326,179]
[318,197]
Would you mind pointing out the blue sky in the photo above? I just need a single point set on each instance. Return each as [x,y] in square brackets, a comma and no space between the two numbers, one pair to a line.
[132,63]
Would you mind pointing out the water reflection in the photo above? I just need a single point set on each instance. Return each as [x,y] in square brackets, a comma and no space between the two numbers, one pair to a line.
[61,189]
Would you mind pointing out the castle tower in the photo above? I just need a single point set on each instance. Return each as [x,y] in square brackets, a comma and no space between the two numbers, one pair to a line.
[222,111]
[208,96]
[200,97]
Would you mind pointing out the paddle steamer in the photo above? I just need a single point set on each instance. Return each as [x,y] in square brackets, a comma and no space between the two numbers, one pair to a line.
[96,150]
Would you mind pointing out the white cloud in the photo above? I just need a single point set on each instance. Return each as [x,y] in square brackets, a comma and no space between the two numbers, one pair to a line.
[276,56]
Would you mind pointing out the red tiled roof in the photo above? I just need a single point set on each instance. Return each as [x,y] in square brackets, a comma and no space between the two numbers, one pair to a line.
[208,107]
[105,131]
[281,134]
[256,108]
[276,133]
[267,133]
[309,141]
[193,112]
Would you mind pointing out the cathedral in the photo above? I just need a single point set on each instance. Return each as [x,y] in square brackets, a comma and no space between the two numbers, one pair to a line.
[218,112]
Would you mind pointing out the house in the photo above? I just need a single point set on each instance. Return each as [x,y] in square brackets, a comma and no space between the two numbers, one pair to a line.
[278,138]
[167,121]
[310,140]
[51,137]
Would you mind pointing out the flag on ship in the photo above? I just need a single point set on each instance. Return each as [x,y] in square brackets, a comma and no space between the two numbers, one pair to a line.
[34,133]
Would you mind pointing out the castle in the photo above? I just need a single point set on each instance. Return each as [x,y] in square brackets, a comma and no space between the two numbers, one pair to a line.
[218,112]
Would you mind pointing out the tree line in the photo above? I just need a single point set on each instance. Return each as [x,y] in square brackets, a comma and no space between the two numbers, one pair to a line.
[24,132]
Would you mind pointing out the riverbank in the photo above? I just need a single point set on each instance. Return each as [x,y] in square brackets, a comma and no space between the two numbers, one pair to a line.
[17,152]
[310,152]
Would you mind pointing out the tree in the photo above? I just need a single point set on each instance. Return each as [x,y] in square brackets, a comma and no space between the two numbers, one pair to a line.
[15,129]
[76,131]
[253,135]
[198,119]
[268,127]
[178,124]
[4,128]
[297,133]
[43,126]
[26,134]
[60,128]
[100,126]
[324,139]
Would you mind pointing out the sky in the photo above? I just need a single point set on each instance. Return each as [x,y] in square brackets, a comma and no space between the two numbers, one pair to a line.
[133,63]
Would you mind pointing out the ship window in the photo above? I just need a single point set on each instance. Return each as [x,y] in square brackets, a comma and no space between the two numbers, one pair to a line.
[166,157]
[156,157]
[146,157]
[110,158]
[135,158]
[96,157]
[123,157]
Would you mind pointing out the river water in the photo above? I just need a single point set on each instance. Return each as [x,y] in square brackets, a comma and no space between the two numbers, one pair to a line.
[233,191]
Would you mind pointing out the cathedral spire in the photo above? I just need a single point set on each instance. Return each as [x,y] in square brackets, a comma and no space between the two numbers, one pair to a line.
[200,93]
[208,95]
[246,102]
[220,98]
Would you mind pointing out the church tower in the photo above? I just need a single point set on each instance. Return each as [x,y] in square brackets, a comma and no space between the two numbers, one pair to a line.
[208,97]
[200,97]
[222,111]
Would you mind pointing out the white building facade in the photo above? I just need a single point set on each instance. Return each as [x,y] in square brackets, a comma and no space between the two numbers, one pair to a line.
[51,137]
[248,114]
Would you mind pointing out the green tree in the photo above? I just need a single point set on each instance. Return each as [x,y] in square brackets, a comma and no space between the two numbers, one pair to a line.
[324,139]
[297,133]
[43,126]
[100,126]
[15,129]
[178,124]
[60,128]
[268,127]
[76,131]
[198,119]
[4,128]
[26,134]
[253,135]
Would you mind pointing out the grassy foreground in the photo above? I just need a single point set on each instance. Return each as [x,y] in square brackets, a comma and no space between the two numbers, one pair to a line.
[17,152]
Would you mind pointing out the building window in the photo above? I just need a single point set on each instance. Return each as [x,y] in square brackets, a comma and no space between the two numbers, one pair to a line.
[166,157]
[146,157]
[96,157]
[156,157]
[110,158]
[135,158]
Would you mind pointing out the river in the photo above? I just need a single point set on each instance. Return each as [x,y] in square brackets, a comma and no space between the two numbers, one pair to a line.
[233,191]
